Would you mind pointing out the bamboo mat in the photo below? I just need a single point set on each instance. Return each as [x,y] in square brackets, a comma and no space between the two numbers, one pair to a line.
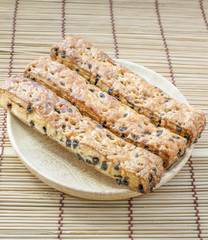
[170,37]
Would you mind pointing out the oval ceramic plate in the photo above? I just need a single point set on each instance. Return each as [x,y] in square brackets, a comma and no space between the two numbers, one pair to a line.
[60,169]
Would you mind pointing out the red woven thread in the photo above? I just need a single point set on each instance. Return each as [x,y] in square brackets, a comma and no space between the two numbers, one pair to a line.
[13,37]
[63,18]
[165,42]
[61,201]
[113,29]
[130,222]
[61,211]
[173,81]
[130,214]
[203,13]
[9,74]
[195,198]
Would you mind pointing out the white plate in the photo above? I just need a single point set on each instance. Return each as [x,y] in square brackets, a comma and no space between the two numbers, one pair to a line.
[60,169]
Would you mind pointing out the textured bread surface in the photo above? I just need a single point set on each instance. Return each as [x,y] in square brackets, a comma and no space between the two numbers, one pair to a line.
[109,112]
[99,69]
[51,115]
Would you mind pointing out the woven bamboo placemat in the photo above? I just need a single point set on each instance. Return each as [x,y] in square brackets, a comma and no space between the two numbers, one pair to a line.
[170,37]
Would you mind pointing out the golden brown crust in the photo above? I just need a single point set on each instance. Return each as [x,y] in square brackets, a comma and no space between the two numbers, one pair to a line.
[43,110]
[129,88]
[119,118]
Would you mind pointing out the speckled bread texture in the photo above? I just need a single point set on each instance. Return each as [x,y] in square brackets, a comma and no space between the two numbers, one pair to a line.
[119,118]
[110,76]
[51,115]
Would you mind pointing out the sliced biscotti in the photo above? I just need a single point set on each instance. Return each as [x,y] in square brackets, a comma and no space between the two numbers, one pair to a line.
[110,76]
[119,118]
[51,115]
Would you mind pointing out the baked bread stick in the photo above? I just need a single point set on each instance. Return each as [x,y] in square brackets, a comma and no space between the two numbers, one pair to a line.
[129,88]
[44,111]
[105,109]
